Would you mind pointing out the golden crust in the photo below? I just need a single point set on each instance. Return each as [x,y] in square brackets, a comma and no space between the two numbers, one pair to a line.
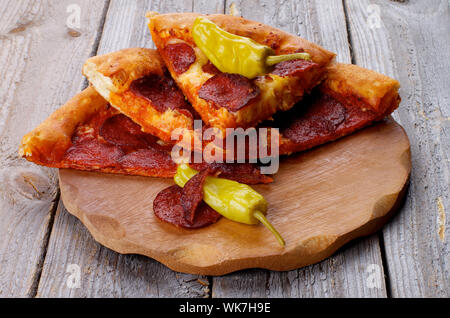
[125,66]
[354,86]
[47,144]
[375,91]
[49,141]
[351,92]
[277,93]
[179,25]
[112,74]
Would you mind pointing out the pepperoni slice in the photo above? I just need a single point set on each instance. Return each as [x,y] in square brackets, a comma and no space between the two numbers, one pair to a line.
[119,130]
[210,68]
[293,67]
[149,159]
[246,173]
[161,91]
[319,121]
[230,91]
[167,207]
[180,55]
[192,194]
[92,152]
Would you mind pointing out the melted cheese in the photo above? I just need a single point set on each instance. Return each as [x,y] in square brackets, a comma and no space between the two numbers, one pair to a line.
[277,93]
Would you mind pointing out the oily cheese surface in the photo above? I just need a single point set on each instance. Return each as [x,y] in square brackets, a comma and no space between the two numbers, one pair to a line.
[320,200]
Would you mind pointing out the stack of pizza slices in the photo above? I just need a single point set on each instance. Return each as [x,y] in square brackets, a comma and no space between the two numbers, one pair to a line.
[142,102]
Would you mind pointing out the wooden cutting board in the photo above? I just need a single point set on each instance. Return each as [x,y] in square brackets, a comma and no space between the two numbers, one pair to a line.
[319,201]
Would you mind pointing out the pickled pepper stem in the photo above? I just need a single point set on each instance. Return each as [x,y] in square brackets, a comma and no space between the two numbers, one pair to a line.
[261,218]
[275,59]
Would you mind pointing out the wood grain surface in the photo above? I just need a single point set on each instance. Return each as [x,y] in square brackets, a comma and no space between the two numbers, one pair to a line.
[319,201]
[410,44]
[40,66]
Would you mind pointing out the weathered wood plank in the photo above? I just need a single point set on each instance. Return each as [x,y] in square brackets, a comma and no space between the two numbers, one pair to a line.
[39,63]
[357,270]
[410,42]
[105,273]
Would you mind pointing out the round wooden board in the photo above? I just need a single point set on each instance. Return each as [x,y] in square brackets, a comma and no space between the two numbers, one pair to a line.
[319,201]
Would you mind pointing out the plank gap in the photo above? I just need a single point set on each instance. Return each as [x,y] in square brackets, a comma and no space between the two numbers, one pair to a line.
[98,37]
[349,34]
[387,279]
[210,286]
[100,28]
[40,265]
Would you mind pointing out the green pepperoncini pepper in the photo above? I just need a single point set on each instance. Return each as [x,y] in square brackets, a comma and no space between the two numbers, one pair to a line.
[235,54]
[235,201]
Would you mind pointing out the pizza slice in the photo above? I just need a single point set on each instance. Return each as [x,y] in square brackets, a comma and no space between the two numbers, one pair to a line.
[350,99]
[227,100]
[88,134]
[136,82]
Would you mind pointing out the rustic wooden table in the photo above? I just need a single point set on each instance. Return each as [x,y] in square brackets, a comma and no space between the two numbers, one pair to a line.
[43,45]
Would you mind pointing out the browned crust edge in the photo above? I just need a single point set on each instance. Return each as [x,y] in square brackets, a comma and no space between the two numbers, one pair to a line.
[354,85]
[180,24]
[47,143]
[119,69]
[127,65]
[373,90]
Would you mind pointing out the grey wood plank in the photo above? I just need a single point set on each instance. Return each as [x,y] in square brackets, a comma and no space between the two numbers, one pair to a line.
[356,270]
[39,62]
[411,43]
[105,273]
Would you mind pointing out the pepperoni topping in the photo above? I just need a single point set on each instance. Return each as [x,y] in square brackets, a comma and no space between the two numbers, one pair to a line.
[168,208]
[161,91]
[293,67]
[317,123]
[113,143]
[230,91]
[121,131]
[192,194]
[92,152]
[210,68]
[129,134]
[180,55]
[240,172]
[148,159]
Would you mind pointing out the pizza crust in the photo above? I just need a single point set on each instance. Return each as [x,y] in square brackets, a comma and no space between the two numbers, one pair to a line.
[113,73]
[277,93]
[371,89]
[49,141]
[356,87]
[179,25]
[351,86]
